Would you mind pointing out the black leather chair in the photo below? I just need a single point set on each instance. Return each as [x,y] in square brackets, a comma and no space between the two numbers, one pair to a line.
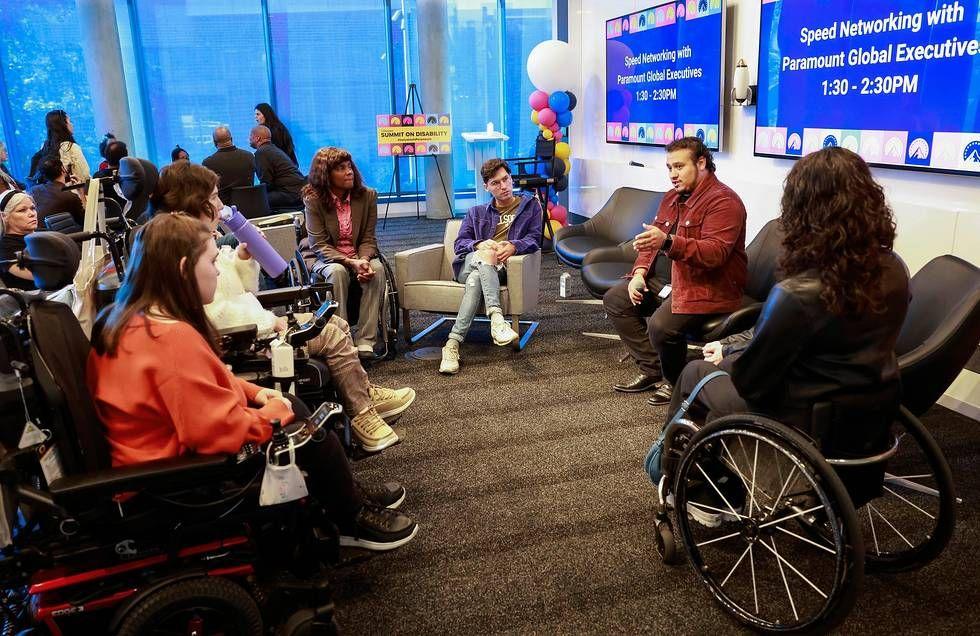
[604,267]
[618,221]
[941,330]
[252,201]
[137,180]
[62,222]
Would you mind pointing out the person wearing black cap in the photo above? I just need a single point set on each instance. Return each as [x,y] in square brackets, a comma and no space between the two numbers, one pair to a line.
[19,219]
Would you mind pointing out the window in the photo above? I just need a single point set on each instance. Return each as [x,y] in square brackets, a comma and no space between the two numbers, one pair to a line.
[527,23]
[43,69]
[330,67]
[203,65]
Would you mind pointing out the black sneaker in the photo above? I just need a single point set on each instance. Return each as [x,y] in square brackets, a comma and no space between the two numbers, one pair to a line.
[378,529]
[390,494]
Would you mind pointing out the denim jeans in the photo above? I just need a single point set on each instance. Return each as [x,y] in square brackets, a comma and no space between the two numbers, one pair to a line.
[481,282]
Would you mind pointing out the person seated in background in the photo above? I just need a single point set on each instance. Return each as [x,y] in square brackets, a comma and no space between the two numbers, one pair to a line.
[103,146]
[283,180]
[193,189]
[161,390]
[265,116]
[50,196]
[235,167]
[829,328]
[341,218]
[179,154]
[19,218]
[7,180]
[115,151]
[490,234]
[700,228]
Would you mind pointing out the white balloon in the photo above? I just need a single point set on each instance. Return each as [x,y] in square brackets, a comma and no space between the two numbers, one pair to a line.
[549,66]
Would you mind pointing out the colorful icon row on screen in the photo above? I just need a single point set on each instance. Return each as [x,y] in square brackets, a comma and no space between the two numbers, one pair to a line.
[435,119]
[662,133]
[663,15]
[389,150]
[948,151]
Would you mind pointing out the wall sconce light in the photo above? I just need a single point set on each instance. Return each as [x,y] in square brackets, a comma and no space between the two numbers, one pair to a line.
[743,94]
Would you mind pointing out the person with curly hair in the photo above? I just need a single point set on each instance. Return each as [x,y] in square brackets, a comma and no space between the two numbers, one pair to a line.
[341,218]
[828,329]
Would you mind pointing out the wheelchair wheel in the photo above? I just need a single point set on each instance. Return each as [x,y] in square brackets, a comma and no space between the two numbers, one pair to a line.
[912,522]
[666,544]
[389,316]
[203,605]
[740,489]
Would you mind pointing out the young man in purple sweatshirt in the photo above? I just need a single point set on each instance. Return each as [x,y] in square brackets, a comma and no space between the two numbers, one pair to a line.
[490,234]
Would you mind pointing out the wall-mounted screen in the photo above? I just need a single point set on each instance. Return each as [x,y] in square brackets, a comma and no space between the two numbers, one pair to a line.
[897,81]
[664,73]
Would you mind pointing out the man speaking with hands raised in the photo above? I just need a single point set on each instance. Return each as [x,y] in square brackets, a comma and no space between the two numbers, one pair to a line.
[697,243]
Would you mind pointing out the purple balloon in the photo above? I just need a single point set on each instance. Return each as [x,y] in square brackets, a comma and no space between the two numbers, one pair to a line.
[538,100]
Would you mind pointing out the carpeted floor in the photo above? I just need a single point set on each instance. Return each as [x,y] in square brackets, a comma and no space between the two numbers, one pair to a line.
[524,473]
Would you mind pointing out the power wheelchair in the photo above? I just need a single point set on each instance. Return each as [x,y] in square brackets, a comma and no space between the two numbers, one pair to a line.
[177,545]
[781,524]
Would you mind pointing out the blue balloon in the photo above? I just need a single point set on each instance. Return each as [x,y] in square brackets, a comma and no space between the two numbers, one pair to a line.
[558,102]
[554,198]
[565,119]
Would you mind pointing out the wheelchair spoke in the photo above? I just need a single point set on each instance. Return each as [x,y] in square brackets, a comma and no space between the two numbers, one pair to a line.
[805,540]
[717,539]
[890,476]
[874,533]
[755,591]
[790,566]
[909,503]
[734,465]
[782,573]
[782,490]
[890,525]
[734,567]
[755,462]
[711,482]
[788,517]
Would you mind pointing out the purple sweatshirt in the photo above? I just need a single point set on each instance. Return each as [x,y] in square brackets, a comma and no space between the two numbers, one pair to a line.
[480,224]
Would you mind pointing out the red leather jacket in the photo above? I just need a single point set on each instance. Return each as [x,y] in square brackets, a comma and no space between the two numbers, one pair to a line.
[709,266]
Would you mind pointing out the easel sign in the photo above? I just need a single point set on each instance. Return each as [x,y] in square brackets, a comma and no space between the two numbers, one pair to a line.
[414,134]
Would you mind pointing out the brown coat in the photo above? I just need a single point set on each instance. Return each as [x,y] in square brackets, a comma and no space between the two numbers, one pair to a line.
[324,228]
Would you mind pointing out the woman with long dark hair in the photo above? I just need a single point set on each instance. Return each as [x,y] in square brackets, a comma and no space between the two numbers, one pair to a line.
[265,116]
[341,218]
[828,329]
[161,390]
[60,142]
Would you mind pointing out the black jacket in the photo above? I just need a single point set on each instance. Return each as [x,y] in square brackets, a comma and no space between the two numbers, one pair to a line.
[49,198]
[235,168]
[284,141]
[801,353]
[276,171]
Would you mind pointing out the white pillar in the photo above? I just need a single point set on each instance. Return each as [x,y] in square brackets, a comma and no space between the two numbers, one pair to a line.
[104,69]
[433,22]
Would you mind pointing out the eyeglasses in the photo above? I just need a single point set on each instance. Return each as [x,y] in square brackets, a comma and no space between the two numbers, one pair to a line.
[499,182]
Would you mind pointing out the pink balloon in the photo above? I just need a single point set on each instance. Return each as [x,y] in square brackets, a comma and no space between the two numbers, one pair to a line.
[554,127]
[559,213]
[558,136]
[538,100]
[547,117]
[551,205]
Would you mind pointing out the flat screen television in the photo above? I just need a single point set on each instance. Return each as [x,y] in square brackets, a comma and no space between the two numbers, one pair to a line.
[897,81]
[664,73]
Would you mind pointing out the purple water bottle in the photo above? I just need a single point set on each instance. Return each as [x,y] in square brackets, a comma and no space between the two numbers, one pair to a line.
[267,257]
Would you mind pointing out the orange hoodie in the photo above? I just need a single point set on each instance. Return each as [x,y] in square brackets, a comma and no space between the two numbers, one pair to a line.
[165,394]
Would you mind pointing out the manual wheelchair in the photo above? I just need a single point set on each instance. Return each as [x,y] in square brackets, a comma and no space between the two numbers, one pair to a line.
[179,545]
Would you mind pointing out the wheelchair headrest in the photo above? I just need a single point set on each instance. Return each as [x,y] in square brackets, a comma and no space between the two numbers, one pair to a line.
[53,259]
[137,180]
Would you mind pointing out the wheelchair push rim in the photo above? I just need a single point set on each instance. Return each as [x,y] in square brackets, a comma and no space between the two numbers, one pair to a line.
[749,481]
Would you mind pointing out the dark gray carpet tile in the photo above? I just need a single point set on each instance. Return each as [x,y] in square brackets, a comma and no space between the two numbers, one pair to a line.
[525,474]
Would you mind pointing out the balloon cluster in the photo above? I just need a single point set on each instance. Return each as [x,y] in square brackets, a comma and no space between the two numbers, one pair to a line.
[551,110]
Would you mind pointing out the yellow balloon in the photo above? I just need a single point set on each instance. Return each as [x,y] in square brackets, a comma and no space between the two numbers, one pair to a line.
[542,127]
[562,150]
[534,116]
[547,134]
[568,165]
[554,225]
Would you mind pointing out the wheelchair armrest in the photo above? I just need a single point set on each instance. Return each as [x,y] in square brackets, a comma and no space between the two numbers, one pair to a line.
[420,263]
[283,295]
[737,321]
[167,474]
[236,339]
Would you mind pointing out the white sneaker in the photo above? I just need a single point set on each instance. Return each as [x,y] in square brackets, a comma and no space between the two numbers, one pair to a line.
[500,331]
[450,358]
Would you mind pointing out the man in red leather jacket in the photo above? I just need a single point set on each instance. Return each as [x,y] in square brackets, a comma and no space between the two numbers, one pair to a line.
[699,237]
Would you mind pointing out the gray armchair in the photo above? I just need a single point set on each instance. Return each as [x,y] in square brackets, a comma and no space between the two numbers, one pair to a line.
[425,283]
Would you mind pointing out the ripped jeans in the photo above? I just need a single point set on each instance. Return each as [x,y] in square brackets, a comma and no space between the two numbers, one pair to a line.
[481,282]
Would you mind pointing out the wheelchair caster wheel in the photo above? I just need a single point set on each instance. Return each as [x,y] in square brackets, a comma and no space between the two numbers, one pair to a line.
[666,546]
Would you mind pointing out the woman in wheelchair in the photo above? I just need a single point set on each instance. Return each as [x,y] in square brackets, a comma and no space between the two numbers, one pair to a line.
[341,217]
[827,332]
[184,187]
[18,218]
[161,390]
